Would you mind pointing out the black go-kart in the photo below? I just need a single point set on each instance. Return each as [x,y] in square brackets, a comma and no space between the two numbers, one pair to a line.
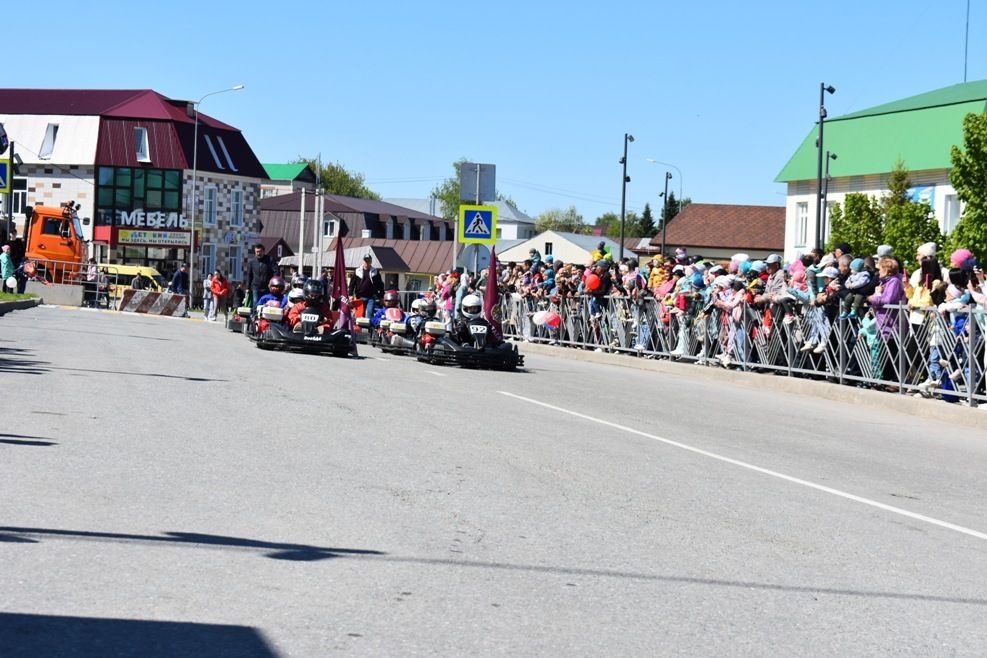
[399,337]
[437,346]
[240,319]
[307,336]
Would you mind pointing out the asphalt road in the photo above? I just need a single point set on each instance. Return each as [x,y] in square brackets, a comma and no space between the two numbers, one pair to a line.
[168,489]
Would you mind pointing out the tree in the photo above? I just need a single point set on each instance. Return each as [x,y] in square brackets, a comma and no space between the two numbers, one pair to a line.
[336,179]
[673,206]
[969,179]
[857,221]
[645,226]
[906,223]
[557,219]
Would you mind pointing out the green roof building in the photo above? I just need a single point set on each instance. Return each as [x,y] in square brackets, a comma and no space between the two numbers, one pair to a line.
[920,130]
[285,178]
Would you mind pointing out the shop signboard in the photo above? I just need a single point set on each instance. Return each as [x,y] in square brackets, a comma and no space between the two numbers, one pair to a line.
[144,238]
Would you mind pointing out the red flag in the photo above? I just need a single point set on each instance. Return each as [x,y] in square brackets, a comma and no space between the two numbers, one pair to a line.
[340,293]
[491,296]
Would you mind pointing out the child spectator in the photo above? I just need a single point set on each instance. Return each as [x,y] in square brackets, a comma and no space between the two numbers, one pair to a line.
[856,285]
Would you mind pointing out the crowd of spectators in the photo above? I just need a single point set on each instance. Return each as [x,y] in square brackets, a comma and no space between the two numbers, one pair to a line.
[819,291]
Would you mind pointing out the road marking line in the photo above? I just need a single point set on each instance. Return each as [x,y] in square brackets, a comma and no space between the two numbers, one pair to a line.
[759,469]
[437,374]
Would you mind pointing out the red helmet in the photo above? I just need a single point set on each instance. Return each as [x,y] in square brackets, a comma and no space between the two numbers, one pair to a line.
[391,299]
[276,285]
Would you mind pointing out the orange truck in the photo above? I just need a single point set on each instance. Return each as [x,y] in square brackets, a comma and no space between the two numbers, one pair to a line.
[55,243]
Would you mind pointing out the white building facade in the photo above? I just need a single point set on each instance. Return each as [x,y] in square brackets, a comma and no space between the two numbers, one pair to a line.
[920,131]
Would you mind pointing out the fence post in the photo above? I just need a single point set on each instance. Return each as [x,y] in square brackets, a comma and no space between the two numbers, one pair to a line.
[841,346]
[901,349]
[971,355]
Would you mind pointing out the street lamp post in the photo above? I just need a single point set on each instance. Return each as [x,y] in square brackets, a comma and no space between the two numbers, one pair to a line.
[825,206]
[623,192]
[677,171]
[664,212]
[195,201]
[823,89]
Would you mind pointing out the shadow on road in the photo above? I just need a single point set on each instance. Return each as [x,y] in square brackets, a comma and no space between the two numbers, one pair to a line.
[16,360]
[88,637]
[20,440]
[277,551]
[307,553]
[138,374]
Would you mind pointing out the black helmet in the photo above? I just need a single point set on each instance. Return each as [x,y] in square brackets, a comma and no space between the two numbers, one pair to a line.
[298,281]
[313,289]
[276,285]
[427,307]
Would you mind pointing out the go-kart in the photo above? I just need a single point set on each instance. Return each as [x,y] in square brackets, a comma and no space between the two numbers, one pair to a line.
[240,319]
[309,335]
[437,346]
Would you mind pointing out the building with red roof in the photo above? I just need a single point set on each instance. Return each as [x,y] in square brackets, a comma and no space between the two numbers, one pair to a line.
[127,157]
[717,230]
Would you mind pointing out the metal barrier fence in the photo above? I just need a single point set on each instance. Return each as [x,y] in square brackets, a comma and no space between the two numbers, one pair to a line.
[104,292]
[903,352]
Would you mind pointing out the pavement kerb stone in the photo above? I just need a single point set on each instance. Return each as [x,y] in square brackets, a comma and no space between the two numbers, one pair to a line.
[904,404]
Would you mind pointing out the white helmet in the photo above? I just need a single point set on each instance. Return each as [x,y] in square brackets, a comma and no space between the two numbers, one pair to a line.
[295,295]
[415,304]
[472,306]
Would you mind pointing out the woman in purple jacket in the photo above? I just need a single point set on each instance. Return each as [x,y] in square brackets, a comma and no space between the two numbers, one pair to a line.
[890,292]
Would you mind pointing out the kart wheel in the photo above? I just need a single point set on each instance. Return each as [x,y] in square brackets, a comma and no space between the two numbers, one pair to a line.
[265,346]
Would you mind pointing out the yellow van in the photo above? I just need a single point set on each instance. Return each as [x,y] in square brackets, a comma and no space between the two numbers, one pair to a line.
[120,277]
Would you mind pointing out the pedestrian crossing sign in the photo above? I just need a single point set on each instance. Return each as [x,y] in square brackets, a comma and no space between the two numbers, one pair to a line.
[5,176]
[477,224]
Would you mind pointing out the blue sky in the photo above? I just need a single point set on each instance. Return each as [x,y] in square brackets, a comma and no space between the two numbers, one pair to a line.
[397,91]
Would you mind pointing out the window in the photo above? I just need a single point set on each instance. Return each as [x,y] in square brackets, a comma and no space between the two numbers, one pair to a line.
[407,230]
[51,226]
[236,199]
[266,192]
[423,232]
[951,213]
[389,228]
[328,228]
[140,145]
[19,194]
[280,250]
[209,207]
[801,223]
[234,264]
[126,188]
[442,232]
[208,259]
[48,145]
[548,248]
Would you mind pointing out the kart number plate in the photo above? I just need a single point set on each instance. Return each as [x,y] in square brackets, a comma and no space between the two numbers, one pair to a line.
[478,329]
[310,317]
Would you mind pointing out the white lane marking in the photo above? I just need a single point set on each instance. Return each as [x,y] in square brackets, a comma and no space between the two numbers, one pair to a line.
[759,469]
[437,374]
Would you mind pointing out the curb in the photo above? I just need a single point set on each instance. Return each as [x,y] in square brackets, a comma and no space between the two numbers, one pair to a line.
[19,305]
[904,404]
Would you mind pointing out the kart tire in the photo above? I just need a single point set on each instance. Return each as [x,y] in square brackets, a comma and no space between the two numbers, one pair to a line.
[265,347]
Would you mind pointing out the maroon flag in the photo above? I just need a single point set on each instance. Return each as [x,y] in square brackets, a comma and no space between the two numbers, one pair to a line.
[491,297]
[340,294]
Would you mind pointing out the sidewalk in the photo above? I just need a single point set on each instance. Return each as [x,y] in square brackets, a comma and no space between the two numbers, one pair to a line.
[905,404]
